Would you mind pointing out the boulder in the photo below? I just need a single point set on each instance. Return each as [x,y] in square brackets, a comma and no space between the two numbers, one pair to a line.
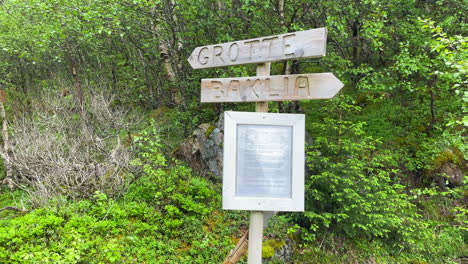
[452,173]
[203,150]
[277,250]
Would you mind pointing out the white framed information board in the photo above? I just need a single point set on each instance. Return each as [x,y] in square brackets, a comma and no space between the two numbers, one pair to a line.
[263,161]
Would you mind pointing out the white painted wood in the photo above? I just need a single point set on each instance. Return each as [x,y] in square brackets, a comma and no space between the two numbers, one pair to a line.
[301,44]
[231,201]
[255,238]
[270,88]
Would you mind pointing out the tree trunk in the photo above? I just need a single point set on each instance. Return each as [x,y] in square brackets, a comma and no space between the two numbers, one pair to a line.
[281,13]
[167,55]
[5,149]
[76,78]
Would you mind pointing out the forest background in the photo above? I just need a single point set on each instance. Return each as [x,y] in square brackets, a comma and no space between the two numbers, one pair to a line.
[97,97]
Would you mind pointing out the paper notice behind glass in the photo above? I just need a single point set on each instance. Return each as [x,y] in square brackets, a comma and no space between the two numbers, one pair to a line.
[264,154]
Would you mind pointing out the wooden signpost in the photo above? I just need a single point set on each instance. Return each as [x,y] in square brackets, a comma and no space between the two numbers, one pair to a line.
[261,89]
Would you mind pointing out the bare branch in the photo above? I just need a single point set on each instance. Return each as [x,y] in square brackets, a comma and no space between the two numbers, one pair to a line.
[13,209]
[58,152]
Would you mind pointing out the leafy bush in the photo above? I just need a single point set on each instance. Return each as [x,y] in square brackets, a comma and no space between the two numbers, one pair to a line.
[179,225]
[354,192]
[353,188]
[170,186]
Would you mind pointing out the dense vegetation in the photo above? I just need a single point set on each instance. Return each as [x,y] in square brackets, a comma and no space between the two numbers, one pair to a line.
[99,95]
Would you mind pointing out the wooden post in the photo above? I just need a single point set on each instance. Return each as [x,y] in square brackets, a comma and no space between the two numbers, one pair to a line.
[262,70]
[255,237]
[256,217]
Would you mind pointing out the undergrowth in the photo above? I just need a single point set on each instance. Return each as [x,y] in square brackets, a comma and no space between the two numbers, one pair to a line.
[179,225]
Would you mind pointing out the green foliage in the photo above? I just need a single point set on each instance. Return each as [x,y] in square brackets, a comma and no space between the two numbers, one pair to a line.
[330,248]
[353,186]
[377,150]
[178,226]
[168,215]
[355,190]
[158,182]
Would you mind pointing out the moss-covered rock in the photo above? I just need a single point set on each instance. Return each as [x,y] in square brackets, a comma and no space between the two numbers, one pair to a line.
[203,150]
[453,155]
[209,130]
[269,246]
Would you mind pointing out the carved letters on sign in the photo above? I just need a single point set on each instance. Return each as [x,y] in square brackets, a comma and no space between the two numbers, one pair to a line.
[270,88]
[301,44]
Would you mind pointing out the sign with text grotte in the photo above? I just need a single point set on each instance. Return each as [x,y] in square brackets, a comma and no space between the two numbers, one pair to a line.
[302,44]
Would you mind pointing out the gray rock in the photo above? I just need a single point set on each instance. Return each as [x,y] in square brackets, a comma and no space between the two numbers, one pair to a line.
[203,150]
[454,174]
[283,254]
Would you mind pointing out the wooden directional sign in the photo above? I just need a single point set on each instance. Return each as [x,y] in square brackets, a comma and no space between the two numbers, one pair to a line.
[301,44]
[270,88]
[263,166]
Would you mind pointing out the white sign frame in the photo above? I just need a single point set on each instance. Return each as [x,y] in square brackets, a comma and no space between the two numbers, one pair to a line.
[230,200]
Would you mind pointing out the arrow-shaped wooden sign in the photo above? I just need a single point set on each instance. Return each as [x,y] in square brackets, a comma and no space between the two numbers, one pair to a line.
[295,45]
[270,88]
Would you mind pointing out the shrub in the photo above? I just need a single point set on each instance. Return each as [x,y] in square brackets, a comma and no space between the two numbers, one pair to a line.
[60,151]
[181,224]
[353,187]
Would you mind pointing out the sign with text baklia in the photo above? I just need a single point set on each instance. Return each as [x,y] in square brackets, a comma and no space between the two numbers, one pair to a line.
[270,88]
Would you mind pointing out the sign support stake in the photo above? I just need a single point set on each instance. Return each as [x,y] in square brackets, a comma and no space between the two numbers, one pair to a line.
[262,70]
[255,237]
[256,217]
